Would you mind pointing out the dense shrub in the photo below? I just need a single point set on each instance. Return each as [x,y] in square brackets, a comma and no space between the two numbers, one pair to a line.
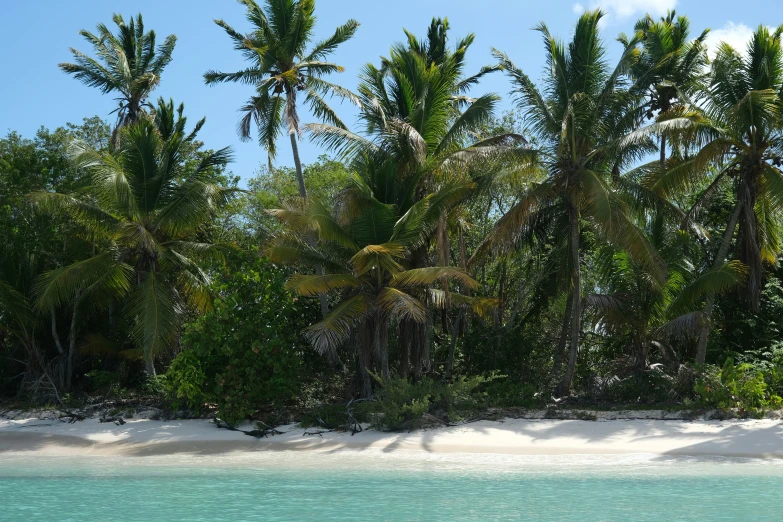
[246,354]
[735,386]
[402,404]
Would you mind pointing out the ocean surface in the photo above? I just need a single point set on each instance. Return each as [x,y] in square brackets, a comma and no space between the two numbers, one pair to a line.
[373,485]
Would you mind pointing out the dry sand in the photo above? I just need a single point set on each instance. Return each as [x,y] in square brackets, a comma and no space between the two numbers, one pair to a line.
[746,438]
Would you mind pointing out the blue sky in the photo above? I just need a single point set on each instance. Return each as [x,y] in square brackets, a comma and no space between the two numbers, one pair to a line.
[35,37]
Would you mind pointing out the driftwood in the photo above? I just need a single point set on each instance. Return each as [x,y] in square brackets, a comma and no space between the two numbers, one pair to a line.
[257,433]
[351,424]
[116,419]
[72,416]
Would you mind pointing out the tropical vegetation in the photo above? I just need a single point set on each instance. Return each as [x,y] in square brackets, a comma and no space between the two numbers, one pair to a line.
[612,238]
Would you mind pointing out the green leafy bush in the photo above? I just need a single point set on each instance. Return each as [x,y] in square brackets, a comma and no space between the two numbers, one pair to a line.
[503,391]
[735,386]
[247,354]
[402,404]
[186,381]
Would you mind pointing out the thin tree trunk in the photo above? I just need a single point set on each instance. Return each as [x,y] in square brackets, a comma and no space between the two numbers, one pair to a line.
[60,349]
[701,351]
[444,249]
[72,343]
[57,342]
[303,194]
[364,359]
[576,302]
[381,338]
[563,341]
[454,335]
[663,149]
[298,163]
[322,297]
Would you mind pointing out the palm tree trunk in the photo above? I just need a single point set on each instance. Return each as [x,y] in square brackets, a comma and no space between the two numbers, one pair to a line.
[640,355]
[364,359]
[381,339]
[563,341]
[72,343]
[454,335]
[701,351]
[576,301]
[298,163]
[303,194]
[663,149]
[444,249]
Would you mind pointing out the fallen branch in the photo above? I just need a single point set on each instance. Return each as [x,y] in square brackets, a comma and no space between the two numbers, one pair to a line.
[117,419]
[252,433]
[72,416]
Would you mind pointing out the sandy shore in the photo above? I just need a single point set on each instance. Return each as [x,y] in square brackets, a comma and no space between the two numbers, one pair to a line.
[749,438]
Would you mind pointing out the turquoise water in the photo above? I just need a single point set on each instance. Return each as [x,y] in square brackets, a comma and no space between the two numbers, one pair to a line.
[341,487]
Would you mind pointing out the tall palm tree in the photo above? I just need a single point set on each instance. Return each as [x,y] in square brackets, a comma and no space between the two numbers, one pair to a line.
[142,209]
[280,68]
[581,120]
[671,65]
[364,251]
[415,114]
[132,66]
[741,138]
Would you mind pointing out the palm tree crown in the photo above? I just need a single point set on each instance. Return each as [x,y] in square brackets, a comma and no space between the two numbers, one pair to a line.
[142,210]
[132,65]
[281,67]
[671,65]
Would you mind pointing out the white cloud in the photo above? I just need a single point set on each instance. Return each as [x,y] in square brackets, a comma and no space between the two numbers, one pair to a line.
[623,10]
[736,35]
[578,8]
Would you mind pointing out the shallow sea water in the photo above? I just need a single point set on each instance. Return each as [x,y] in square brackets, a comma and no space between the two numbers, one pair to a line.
[373,485]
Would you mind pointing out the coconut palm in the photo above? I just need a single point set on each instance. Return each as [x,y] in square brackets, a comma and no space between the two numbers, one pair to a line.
[281,66]
[142,210]
[416,115]
[741,145]
[410,107]
[671,65]
[649,313]
[364,251]
[580,120]
[131,66]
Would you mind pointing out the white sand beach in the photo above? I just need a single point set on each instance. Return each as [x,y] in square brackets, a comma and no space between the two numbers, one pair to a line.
[735,438]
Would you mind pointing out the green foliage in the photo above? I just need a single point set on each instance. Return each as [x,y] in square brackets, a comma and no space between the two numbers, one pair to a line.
[647,387]
[185,381]
[402,404]
[736,386]
[504,392]
[247,354]
[103,381]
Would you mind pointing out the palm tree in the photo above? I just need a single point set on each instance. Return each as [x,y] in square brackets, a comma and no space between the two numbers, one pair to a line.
[580,120]
[132,66]
[650,313]
[741,138]
[670,67]
[142,210]
[364,251]
[415,115]
[281,65]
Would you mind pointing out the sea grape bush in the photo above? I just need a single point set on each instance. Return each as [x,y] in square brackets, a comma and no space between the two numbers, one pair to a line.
[245,355]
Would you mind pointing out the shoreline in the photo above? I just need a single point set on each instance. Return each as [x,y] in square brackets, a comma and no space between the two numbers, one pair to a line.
[141,438]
